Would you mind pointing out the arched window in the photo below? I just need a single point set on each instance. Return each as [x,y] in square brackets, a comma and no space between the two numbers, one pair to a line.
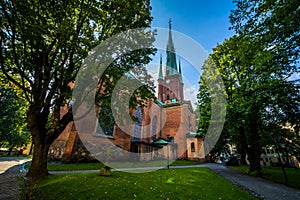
[106,121]
[154,120]
[168,97]
[192,147]
[137,136]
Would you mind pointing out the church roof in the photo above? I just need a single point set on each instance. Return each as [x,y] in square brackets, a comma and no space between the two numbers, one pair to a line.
[160,74]
[161,142]
[180,75]
[159,101]
[171,65]
[194,134]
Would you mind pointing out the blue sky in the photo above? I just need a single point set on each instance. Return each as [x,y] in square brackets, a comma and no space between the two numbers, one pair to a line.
[205,21]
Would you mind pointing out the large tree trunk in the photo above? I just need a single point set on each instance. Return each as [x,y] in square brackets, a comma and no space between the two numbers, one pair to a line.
[38,167]
[254,159]
[242,146]
[43,137]
[254,151]
[36,123]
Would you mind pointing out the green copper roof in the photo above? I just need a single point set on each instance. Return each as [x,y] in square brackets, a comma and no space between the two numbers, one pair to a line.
[159,101]
[194,134]
[171,65]
[160,74]
[161,142]
[180,74]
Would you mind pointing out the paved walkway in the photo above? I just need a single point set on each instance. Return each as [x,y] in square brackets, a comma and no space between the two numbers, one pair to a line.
[259,187]
[11,172]
[262,189]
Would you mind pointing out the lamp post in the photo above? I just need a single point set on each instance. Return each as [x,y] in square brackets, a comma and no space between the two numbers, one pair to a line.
[168,149]
[163,142]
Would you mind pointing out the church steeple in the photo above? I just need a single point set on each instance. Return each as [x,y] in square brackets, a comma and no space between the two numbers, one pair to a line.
[170,84]
[160,74]
[180,74]
[171,66]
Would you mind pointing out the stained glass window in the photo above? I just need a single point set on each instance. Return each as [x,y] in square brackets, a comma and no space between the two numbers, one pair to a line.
[154,120]
[137,136]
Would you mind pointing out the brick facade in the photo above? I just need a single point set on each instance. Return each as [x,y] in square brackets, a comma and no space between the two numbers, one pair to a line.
[169,118]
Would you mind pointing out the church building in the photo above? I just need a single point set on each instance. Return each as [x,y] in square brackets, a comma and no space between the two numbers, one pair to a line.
[165,128]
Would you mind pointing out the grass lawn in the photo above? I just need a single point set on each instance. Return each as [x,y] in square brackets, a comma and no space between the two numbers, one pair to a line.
[191,183]
[97,166]
[16,156]
[275,174]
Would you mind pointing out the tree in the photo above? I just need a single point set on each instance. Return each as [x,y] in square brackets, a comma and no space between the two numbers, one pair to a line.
[259,95]
[274,22]
[13,130]
[272,28]
[211,109]
[44,44]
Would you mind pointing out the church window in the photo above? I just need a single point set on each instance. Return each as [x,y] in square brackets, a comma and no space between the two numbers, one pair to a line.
[168,97]
[106,122]
[137,136]
[148,149]
[154,120]
[192,147]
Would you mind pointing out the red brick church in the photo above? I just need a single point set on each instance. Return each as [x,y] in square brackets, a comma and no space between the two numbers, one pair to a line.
[165,128]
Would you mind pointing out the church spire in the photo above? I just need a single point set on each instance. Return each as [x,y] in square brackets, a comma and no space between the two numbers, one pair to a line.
[171,65]
[160,74]
[180,74]
[170,45]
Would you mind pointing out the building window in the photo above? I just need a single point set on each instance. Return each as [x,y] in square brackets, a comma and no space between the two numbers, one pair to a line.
[154,120]
[148,149]
[192,147]
[168,97]
[106,122]
[137,136]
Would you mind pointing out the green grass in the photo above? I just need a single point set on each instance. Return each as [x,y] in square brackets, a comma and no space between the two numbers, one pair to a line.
[275,174]
[191,183]
[97,166]
[74,166]
[17,156]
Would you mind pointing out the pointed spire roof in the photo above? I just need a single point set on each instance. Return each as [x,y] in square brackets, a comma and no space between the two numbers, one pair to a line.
[171,65]
[160,74]
[170,45]
[180,74]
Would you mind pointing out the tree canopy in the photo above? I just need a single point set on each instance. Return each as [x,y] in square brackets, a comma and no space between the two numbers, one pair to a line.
[13,130]
[44,44]
[258,66]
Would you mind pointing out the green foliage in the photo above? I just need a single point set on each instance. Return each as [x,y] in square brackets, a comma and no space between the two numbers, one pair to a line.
[44,44]
[162,184]
[257,65]
[210,93]
[13,130]
[275,23]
